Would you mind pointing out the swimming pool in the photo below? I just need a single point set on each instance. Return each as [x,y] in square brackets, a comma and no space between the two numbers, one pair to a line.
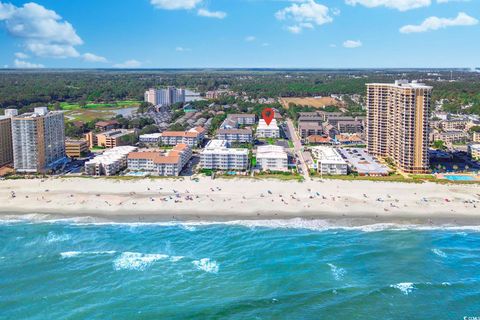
[459,178]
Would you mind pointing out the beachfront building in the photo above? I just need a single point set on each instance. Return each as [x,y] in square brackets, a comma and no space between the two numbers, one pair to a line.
[165,97]
[6,146]
[76,148]
[235,135]
[272,158]
[109,139]
[38,140]
[268,131]
[397,124]
[218,156]
[361,162]
[109,163]
[192,137]
[474,151]
[329,161]
[157,163]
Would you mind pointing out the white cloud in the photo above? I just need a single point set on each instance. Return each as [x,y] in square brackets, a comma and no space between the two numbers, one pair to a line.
[175,4]
[250,38]
[305,14]
[436,23]
[90,57]
[26,65]
[128,64]
[212,14]
[182,49]
[43,32]
[351,44]
[21,55]
[401,5]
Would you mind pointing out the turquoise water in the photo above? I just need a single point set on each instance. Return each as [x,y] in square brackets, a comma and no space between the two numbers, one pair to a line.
[236,271]
[459,178]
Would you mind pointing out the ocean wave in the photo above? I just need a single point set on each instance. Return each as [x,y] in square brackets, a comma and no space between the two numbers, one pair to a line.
[405,287]
[439,253]
[53,237]
[207,265]
[338,273]
[136,261]
[176,258]
[294,223]
[71,254]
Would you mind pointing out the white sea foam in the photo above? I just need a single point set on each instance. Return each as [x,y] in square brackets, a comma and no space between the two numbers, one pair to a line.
[439,253]
[338,273]
[176,258]
[136,261]
[53,237]
[295,223]
[206,265]
[405,287]
[71,254]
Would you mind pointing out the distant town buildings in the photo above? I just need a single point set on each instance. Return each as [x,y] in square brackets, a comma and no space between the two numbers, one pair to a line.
[329,161]
[272,158]
[38,140]
[6,146]
[234,121]
[165,97]
[107,125]
[108,139]
[452,137]
[109,163]
[268,131]
[76,148]
[474,150]
[157,163]
[218,156]
[397,124]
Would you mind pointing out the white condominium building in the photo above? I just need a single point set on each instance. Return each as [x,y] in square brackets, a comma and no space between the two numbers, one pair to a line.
[165,97]
[329,161]
[268,131]
[38,140]
[235,135]
[170,163]
[397,124]
[217,155]
[110,162]
[273,158]
[150,138]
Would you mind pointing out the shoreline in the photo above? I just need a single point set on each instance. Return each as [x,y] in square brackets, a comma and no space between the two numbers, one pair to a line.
[345,202]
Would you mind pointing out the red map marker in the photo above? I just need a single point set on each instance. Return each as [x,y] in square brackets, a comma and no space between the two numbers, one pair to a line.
[268,114]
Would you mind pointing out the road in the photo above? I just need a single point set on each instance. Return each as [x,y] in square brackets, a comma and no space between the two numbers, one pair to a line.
[297,147]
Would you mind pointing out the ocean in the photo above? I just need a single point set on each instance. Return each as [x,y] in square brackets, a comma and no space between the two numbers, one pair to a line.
[284,269]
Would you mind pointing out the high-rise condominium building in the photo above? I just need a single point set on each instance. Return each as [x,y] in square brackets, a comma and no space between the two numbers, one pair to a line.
[165,97]
[6,147]
[397,123]
[38,140]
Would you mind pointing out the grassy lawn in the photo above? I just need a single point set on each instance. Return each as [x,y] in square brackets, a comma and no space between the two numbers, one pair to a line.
[119,104]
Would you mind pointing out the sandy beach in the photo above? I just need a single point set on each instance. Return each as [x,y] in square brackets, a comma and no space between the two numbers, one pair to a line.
[185,199]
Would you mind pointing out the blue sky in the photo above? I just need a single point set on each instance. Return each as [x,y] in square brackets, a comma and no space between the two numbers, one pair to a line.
[240,33]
